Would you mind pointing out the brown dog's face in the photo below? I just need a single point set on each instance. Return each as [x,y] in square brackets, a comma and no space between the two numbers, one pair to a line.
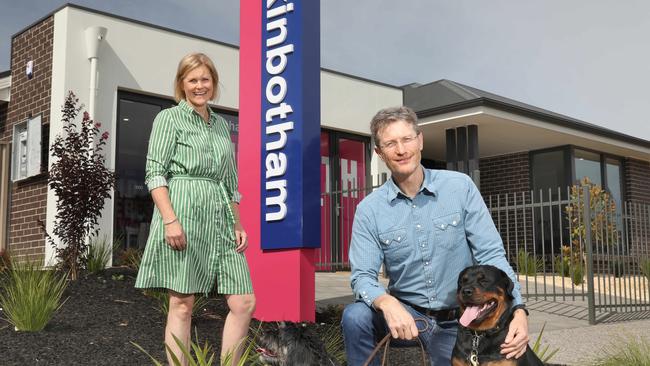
[484,293]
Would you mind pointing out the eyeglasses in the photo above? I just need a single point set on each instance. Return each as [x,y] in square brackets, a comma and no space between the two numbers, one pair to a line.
[392,145]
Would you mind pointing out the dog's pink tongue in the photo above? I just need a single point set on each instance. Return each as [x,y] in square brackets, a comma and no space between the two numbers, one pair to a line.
[470,313]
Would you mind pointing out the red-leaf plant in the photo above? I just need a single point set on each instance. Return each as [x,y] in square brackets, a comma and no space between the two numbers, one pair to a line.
[82,183]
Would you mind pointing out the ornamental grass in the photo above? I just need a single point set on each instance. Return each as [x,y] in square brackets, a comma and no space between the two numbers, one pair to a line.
[30,295]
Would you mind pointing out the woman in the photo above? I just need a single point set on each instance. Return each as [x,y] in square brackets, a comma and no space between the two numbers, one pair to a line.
[196,237]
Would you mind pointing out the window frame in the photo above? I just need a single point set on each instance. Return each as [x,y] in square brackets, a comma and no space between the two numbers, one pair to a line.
[570,168]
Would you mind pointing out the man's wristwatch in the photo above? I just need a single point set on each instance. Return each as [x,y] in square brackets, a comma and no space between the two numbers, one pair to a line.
[522,307]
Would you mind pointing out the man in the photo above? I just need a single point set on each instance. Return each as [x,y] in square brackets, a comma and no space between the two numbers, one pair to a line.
[425,226]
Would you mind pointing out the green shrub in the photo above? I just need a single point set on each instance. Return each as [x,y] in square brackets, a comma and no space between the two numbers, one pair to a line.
[630,352]
[644,265]
[570,264]
[204,356]
[577,273]
[528,264]
[562,266]
[97,255]
[543,353]
[162,298]
[31,296]
[565,268]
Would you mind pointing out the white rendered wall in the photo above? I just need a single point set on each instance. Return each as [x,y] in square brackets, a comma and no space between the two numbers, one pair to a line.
[132,57]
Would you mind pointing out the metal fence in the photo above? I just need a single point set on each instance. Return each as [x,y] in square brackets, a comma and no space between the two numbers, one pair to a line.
[337,215]
[577,245]
[603,266]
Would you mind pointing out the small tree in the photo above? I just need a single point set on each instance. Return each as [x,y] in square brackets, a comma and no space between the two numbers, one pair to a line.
[603,221]
[81,182]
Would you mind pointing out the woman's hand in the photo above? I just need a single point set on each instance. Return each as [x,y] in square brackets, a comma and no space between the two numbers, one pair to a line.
[241,239]
[175,236]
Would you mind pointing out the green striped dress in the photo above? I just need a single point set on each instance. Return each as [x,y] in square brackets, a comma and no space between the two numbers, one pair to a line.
[195,160]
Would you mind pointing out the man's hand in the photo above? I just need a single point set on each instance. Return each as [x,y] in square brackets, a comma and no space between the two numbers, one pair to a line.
[399,320]
[517,337]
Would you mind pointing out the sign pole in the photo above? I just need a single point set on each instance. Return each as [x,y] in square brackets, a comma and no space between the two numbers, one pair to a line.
[279,157]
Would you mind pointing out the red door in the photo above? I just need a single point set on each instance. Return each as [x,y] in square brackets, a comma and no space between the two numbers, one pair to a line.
[343,185]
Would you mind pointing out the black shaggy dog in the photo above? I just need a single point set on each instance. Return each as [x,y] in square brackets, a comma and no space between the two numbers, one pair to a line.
[291,344]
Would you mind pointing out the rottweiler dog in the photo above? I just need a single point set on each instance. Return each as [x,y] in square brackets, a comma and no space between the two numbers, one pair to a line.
[485,297]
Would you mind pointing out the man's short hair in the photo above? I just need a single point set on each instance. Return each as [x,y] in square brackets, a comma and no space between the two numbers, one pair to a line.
[389,115]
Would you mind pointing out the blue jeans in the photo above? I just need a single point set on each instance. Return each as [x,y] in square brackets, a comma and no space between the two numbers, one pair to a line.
[363,328]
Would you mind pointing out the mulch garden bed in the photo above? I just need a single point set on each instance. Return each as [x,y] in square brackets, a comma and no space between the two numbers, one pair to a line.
[101,316]
[104,313]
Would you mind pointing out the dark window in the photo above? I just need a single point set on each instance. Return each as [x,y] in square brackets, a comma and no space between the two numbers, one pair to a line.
[552,172]
[4,109]
[587,164]
[45,147]
[549,172]
[603,170]
[613,176]
[549,180]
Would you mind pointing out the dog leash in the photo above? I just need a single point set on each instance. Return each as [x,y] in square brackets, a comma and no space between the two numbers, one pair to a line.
[385,342]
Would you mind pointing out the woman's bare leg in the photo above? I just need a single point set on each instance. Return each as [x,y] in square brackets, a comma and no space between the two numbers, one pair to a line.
[236,326]
[179,322]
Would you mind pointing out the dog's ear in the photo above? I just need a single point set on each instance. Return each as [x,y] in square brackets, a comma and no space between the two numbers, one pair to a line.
[507,283]
[460,278]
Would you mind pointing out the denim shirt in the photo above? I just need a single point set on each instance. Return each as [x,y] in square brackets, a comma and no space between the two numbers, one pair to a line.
[424,242]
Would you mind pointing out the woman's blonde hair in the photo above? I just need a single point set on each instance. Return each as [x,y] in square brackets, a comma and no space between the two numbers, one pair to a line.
[189,63]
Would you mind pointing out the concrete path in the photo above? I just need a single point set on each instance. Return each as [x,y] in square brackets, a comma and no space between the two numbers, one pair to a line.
[566,324]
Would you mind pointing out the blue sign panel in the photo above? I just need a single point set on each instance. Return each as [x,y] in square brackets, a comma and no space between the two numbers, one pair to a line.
[290,124]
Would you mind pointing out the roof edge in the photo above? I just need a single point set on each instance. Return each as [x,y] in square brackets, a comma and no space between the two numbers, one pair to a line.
[361,78]
[120,17]
[572,124]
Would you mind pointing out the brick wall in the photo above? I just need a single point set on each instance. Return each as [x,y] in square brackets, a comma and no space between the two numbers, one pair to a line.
[637,179]
[503,180]
[29,97]
[505,174]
